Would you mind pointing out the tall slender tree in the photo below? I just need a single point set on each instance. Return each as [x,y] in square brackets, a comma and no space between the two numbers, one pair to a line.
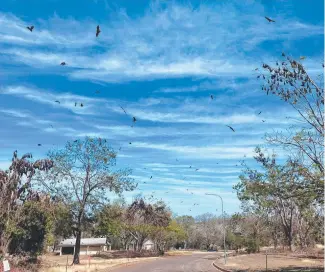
[82,177]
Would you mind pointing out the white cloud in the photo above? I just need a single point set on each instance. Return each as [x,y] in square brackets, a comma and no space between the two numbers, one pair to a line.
[67,100]
[55,31]
[171,41]
[215,177]
[186,117]
[209,152]
[164,165]
[15,113]
[32,121]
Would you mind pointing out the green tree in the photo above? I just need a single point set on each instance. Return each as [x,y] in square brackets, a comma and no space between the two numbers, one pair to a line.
[142,218]
[170,235]
[110,222]
[30,235]
[15,190]
[270,192]
[187,223]
[82,177]
[58,223]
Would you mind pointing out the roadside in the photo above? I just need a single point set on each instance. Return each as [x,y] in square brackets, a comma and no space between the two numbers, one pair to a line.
[55,263]
[195,262]
[273,262]
[87,263]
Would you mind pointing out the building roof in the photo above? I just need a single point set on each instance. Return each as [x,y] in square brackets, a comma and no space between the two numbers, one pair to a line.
[148,242]
[84,242]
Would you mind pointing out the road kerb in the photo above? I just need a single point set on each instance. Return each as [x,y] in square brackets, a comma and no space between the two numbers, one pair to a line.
[220,268]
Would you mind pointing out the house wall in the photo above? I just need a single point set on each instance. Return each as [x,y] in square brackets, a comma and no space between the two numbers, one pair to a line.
[91,250]
[148,246]
[84,250]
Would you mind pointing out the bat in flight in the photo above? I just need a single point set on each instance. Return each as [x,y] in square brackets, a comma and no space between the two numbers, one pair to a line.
[30,28]
[97,31]
[269,19]
[231,128]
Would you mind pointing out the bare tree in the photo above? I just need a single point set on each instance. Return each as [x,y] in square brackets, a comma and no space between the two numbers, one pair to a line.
[210,228]
[290,81]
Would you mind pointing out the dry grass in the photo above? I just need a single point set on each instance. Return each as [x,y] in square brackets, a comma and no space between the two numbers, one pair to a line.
[50,263]
[178,253]
[257,262]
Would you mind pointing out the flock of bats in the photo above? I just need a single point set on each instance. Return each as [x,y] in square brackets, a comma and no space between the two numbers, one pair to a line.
[98,31]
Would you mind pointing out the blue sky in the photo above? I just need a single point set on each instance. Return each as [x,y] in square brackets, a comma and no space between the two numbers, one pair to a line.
[160,61]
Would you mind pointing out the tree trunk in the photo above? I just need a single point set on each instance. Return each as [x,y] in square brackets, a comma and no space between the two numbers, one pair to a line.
[76,259]
[4,244]
[290,238]
[275,241]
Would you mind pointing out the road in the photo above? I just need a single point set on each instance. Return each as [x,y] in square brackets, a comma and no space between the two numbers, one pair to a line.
[197,262]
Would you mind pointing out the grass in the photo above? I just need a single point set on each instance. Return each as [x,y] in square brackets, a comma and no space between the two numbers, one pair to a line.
[50,263]
[285,263]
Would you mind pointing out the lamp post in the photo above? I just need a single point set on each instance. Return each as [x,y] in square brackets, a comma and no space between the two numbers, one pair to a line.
[224,227]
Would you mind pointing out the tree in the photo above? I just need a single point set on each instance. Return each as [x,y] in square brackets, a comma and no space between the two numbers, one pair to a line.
[168,236]
[270,192]
[15,190]
[30,235]
[110,222]
[142,218]
[187,223]
[58,224]
[290,81]
[210,228]
[82,177]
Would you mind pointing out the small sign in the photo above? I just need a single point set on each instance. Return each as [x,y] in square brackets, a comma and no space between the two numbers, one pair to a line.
[6,266]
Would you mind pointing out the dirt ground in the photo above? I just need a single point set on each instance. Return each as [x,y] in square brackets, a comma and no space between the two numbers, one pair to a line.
[178,253]
[50,263]
[56,263]
[257,262]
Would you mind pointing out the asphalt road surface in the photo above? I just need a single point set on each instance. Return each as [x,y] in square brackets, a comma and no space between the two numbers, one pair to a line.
[197,262]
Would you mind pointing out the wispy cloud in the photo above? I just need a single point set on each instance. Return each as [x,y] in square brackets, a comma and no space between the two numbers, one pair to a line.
[65,100]
[201,152]
[161,65]
[181,41]
[175,115]
[219,85]
[15,113]
[55,31]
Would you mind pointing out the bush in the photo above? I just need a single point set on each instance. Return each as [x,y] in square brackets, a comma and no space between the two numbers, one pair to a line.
[252,246]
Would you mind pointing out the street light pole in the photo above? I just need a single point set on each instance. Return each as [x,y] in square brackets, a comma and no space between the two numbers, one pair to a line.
[224,226]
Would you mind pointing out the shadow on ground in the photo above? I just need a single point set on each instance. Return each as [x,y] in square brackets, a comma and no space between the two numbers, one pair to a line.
[287,269]
[126,254]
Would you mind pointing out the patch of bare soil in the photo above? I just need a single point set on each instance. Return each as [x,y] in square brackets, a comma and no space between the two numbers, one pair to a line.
[51,263]
[126,254]
[178,253]
[276,262]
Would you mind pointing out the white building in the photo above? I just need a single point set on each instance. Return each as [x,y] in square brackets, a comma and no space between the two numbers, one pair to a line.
[148,245]
[88,246]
